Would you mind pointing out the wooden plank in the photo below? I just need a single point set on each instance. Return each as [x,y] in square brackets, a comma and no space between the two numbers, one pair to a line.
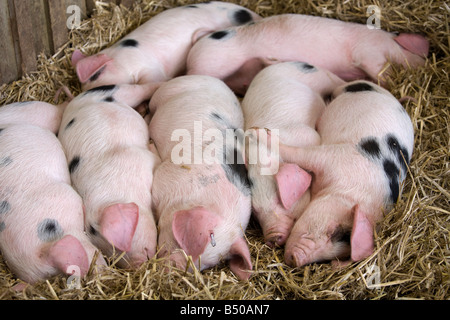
[33,30]
[60,13]
[9,70]
[127,3]
[90,6]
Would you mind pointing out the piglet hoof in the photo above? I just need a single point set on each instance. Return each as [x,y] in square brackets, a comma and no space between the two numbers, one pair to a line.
[20,287]
[338,264]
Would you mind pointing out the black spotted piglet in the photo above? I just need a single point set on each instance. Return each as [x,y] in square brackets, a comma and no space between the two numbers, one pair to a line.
[157,50]
[41,215]
[107,148]
[288,97]
[367,142]
[201,192]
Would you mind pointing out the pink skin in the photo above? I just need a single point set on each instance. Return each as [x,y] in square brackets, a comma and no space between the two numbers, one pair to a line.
[41,114]
[288,97]
[353,183]
[346,49]
[163,44]
[199,210]
[107,147]
[41,219]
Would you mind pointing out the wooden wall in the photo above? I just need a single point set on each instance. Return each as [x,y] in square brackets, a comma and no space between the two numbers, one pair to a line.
[31,27]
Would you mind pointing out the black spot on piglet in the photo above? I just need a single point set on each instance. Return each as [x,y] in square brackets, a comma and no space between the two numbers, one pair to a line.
[105,88]
[307,66]
[5,161]
[71,122]
[4,207]
[396,148]
[49,230]
[97,74]
[92,230]
[129,43]
[218,34]
[242,16]
[359,86]
[370,147]
[74,164]
[392,171]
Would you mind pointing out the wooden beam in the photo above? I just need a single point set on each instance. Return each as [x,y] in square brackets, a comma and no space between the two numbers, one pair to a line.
[9,69]
[33,30]
[59,16]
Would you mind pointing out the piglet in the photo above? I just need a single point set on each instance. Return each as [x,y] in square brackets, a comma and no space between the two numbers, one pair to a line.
[201,191]
[41,215]
[288,97]
[350,50]
[38,113]
[107,147]
[157,50]
[367,142]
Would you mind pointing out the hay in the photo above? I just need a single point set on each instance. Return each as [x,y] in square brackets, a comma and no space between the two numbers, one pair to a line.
[412,255]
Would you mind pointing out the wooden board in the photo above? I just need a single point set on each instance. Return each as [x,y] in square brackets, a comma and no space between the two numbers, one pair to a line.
[62,12]
[9,66]
[33,31]
[31,27]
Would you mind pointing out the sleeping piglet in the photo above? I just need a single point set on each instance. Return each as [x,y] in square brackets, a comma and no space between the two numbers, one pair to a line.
[367,142]
[157,50]
[41,215]
[201,191]
[288,97]
[107,148]
[38,113]
[349,50]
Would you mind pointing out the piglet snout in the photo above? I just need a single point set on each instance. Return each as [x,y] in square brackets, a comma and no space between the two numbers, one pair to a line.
[298,254]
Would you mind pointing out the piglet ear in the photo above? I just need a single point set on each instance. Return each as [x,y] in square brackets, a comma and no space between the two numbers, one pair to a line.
[118,224]
[292,182]
[89,66]
[199,33]
[240,262]
[77,55]
[68,252]
[414,43]
[192,230]
[362,235]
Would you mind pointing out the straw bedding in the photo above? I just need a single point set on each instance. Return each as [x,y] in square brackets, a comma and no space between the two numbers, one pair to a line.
[412,254]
